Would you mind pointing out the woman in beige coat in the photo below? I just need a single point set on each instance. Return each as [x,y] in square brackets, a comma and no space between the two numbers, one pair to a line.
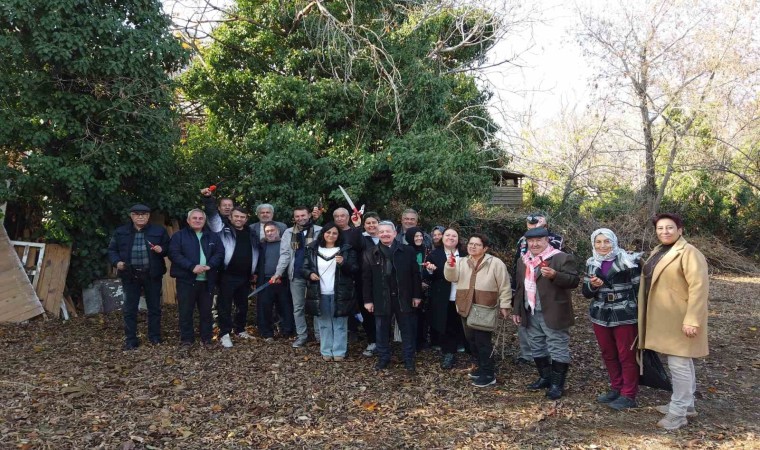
[481,279]
[673,313]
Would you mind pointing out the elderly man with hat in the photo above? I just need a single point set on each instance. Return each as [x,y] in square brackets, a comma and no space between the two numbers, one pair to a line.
[533,220]
[137,250]
[546,278]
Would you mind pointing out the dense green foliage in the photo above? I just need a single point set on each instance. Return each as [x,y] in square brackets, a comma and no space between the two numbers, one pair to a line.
[87,120]
[304,104]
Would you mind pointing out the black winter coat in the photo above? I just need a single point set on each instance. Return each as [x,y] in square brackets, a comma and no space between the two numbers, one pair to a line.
[120,247]
[184,253]
[440,288]
[345,305]
[408,279]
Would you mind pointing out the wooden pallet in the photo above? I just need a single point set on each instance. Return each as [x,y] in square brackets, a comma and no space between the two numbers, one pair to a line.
[52,281]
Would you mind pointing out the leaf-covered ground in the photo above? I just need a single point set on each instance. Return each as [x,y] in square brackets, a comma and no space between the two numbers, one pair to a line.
[68,385]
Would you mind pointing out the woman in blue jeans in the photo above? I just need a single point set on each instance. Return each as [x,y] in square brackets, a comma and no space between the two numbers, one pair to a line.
[328,266]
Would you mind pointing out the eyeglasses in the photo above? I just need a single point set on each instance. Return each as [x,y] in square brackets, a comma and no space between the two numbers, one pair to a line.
[474,244]
[534,219]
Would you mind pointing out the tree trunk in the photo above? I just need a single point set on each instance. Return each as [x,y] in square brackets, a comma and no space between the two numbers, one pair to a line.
[668,172]
[650,174]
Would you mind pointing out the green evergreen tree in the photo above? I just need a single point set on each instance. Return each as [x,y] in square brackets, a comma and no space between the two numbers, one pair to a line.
[374,96]
[87,125]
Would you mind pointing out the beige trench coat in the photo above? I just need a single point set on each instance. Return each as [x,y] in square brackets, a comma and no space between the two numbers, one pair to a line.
[677,296]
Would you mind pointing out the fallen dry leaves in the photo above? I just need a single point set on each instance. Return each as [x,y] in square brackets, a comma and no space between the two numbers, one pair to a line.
[68,385]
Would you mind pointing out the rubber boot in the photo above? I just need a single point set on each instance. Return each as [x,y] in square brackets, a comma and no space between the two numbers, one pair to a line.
[544,373]
[559,374]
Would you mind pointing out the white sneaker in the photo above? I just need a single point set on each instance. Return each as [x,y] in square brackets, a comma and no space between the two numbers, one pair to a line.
[244,335]
[226,341]
[665,409]
[671,422]
[371,348]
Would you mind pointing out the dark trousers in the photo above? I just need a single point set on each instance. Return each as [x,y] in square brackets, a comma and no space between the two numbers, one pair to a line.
[421,326]
[232,289]
[368,322]
[481,347]
[276,295]
[453,335]
[190,295]
[152,288]
[407,324]
[615,343]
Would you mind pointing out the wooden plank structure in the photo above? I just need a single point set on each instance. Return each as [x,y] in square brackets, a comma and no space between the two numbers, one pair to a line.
[52,281]
[18,301]
[508,191]
[30,254]
[169,287]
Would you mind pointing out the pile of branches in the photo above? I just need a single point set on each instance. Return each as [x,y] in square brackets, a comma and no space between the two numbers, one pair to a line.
[722,257]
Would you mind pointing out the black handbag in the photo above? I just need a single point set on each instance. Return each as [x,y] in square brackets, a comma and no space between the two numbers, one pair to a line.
[652,372]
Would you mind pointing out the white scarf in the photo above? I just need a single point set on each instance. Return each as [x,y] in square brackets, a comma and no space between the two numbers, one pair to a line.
[627,260]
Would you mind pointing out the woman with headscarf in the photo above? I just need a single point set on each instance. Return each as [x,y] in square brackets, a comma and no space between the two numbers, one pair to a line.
[415,236]
[612,282]
[673,313]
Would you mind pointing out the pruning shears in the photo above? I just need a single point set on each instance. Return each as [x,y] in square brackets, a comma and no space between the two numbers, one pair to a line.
[213,187]
[356,212]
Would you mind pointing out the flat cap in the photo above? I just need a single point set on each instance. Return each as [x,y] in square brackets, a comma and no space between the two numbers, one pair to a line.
[536,233]
[139,208]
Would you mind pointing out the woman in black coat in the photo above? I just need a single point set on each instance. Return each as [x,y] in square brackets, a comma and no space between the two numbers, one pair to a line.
[443,311]
[329,266]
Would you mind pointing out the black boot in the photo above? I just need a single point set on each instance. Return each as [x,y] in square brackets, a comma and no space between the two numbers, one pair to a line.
[559,373]
[544,374]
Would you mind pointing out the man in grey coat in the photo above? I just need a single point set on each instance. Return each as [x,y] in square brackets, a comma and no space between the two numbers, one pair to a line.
[292,252]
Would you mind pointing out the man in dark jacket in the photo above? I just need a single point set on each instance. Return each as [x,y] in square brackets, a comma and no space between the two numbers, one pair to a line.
[542,304]
[392,287]
[534,220]
[137,250]
[196,255]
[240,259]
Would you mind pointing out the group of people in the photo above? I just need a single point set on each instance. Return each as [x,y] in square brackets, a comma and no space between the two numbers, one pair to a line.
[362,269]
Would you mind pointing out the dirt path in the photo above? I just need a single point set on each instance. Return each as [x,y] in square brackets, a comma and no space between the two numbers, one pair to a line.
[70,386]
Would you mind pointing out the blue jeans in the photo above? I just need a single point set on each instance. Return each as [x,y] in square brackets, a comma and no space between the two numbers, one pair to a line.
[152,288]
[407,323]
[333,331]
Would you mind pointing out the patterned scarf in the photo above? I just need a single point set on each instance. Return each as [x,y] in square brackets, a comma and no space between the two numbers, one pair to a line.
[531,262]
[295,244]
[627,260]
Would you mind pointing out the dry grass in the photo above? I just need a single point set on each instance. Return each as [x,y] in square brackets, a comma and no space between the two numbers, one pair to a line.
[67,385]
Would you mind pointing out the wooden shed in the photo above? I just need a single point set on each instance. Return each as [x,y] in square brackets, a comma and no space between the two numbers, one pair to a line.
[508,190]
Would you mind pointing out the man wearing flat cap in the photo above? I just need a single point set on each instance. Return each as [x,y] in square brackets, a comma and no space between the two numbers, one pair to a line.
[137,250]
[546,278]
[533,220]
